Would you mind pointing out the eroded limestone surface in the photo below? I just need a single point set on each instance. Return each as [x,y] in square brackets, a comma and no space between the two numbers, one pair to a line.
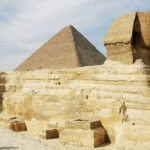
[128,39]
[114,93]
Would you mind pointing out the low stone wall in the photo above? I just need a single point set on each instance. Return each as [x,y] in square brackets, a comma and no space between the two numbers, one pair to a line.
[116,94]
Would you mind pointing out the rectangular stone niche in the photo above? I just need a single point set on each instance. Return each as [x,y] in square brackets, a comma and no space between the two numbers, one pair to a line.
[83,133]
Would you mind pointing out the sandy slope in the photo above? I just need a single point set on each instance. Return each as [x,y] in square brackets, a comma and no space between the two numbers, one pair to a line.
[10,140]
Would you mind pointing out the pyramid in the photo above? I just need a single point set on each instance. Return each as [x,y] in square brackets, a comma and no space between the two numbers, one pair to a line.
[67,49]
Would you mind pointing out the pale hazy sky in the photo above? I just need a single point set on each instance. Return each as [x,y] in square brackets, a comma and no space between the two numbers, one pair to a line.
[26,24]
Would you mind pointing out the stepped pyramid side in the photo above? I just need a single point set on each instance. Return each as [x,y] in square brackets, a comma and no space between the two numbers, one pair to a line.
[87,53]
[67,49]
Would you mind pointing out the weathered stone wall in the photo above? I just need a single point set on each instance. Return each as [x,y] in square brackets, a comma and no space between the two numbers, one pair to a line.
[116,94]
[2,89]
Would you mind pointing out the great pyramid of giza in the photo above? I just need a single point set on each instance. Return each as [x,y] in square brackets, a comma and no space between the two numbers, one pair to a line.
[67,49]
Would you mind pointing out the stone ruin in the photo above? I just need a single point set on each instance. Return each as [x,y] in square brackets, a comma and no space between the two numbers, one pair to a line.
[92,105]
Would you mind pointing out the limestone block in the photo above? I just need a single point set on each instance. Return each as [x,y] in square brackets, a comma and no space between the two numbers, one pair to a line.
[80,137]
[49,134]
[82,124]
[18,126]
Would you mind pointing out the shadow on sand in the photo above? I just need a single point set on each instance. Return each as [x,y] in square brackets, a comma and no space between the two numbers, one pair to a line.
[7,148]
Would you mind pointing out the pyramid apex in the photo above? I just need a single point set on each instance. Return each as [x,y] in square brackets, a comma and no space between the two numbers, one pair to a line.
[69,26]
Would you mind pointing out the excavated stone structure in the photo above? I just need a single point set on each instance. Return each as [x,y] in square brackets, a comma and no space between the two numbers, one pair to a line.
[116,93]
[83,133]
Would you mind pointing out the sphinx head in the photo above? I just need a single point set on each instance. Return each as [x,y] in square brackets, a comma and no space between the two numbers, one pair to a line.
[128,39]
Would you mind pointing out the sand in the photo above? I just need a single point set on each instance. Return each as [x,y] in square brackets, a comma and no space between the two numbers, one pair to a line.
[10,140]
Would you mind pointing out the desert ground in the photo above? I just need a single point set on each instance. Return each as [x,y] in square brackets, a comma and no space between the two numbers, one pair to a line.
[10,140]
